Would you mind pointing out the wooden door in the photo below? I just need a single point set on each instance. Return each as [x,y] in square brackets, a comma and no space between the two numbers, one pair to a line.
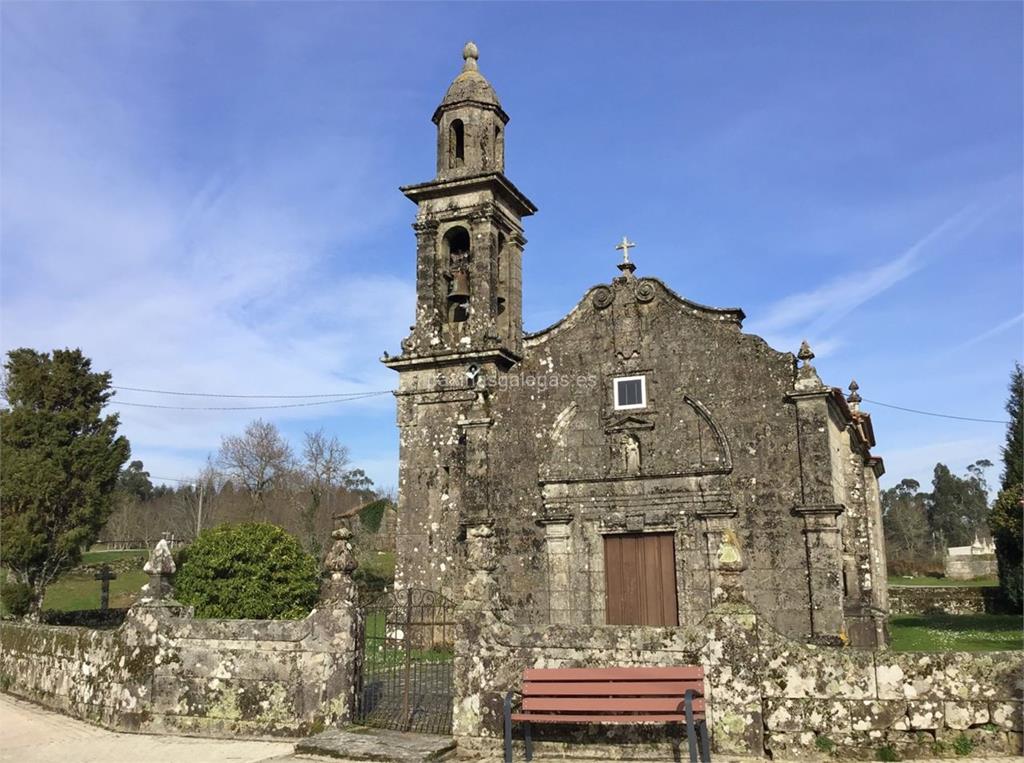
[640,579]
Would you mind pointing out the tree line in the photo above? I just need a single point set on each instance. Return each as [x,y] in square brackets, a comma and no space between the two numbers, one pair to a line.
[64,484]
[256,476]
[919,526]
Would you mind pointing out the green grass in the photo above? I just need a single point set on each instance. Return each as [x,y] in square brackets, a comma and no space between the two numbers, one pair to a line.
[956,633]
[77,590]
[927,581]
[74,591]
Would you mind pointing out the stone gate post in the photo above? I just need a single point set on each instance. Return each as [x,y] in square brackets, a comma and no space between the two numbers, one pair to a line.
[336,624]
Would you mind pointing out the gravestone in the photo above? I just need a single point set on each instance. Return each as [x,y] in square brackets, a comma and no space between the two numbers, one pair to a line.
[105,575]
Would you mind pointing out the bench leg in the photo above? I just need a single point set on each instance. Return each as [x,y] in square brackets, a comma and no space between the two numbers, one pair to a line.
[691,735]
[528,737]
[705,742]
[508,728]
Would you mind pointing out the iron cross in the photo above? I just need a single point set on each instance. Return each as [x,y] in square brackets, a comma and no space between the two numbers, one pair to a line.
[625,245]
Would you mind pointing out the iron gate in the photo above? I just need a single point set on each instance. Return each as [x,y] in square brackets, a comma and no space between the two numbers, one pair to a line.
[404,676]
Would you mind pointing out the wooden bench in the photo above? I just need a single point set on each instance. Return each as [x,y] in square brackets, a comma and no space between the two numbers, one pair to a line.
[611,695]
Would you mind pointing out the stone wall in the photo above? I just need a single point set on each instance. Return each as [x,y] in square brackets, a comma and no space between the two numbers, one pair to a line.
[946,600]
[164,671]
[768,695]
[968,567]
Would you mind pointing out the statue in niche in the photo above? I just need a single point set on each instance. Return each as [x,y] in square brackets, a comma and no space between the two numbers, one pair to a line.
[631,454]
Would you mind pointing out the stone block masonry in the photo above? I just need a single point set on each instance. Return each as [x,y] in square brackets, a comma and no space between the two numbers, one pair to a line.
[947,600]
[163,671]
[768,695]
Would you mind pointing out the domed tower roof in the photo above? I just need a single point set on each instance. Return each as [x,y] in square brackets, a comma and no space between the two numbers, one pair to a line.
[469,86]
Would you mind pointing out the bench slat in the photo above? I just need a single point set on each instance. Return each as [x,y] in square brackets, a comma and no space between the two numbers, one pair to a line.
[610,688]
[578,718]
[690,672]
[608,704]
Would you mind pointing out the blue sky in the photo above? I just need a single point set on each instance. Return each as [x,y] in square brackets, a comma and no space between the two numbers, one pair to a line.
[203,197]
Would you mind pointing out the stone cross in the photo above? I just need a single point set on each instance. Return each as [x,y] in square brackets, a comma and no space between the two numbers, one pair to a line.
[105,575]
[625,245]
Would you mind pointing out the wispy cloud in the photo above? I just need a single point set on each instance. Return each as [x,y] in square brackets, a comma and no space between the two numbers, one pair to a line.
[813,314]
[994,331]
[247,279]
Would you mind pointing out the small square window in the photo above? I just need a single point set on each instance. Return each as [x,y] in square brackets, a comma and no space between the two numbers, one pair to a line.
[630,392]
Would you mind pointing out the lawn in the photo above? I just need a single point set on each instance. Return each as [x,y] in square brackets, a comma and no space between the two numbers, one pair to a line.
[79,590]
[956,633]
[928,581]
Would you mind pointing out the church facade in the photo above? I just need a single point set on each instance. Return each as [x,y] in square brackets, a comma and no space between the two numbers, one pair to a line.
[641,460]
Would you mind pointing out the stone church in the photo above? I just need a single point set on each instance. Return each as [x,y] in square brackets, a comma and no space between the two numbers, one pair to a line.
[640,460]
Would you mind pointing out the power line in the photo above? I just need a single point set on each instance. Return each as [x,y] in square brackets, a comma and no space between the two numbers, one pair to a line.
[341,397]
[356,396]
[213,394]
[938,415]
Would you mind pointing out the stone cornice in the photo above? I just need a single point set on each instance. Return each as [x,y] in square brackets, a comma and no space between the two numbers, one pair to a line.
[499,356]
[495,181]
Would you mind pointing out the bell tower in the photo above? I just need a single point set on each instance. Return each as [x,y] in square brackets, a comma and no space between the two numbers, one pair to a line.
[469,235]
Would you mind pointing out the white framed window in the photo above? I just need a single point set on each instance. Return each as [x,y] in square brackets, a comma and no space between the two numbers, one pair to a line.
[630,392]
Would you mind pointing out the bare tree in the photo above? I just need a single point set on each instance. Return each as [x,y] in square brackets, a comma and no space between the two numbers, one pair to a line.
[258,460]
[323,471]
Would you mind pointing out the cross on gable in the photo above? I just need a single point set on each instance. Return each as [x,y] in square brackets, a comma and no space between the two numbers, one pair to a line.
[625,245]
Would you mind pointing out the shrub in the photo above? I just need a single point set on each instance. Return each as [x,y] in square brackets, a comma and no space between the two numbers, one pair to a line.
[963,745]
[250,570]
[16,597]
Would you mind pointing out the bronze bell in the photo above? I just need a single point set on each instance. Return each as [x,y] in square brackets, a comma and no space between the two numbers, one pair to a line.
[460,287]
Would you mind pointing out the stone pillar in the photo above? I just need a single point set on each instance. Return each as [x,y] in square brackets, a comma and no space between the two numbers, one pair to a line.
[819,507]
[477,615]
[733,680]
[430,287]
[480,593]
[825,572]
[337,627]
[559,560]
[724,559]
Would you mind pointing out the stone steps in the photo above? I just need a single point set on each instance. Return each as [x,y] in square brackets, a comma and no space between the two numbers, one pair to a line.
[361,743]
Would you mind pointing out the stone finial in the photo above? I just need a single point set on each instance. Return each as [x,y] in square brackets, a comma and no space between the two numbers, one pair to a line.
[807,379]
[339,563]
[339,558]
[161,561]
[806,354]
[854,398]
[471,54]
[160,568]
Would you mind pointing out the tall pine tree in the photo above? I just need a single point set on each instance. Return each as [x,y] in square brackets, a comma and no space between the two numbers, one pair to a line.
[61,461]
[1006,517]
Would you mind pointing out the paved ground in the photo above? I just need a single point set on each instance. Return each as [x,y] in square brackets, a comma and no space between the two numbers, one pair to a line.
[29,734]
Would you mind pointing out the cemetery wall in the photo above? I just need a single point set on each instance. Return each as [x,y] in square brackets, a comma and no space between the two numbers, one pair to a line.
[162,672]
[946,600]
